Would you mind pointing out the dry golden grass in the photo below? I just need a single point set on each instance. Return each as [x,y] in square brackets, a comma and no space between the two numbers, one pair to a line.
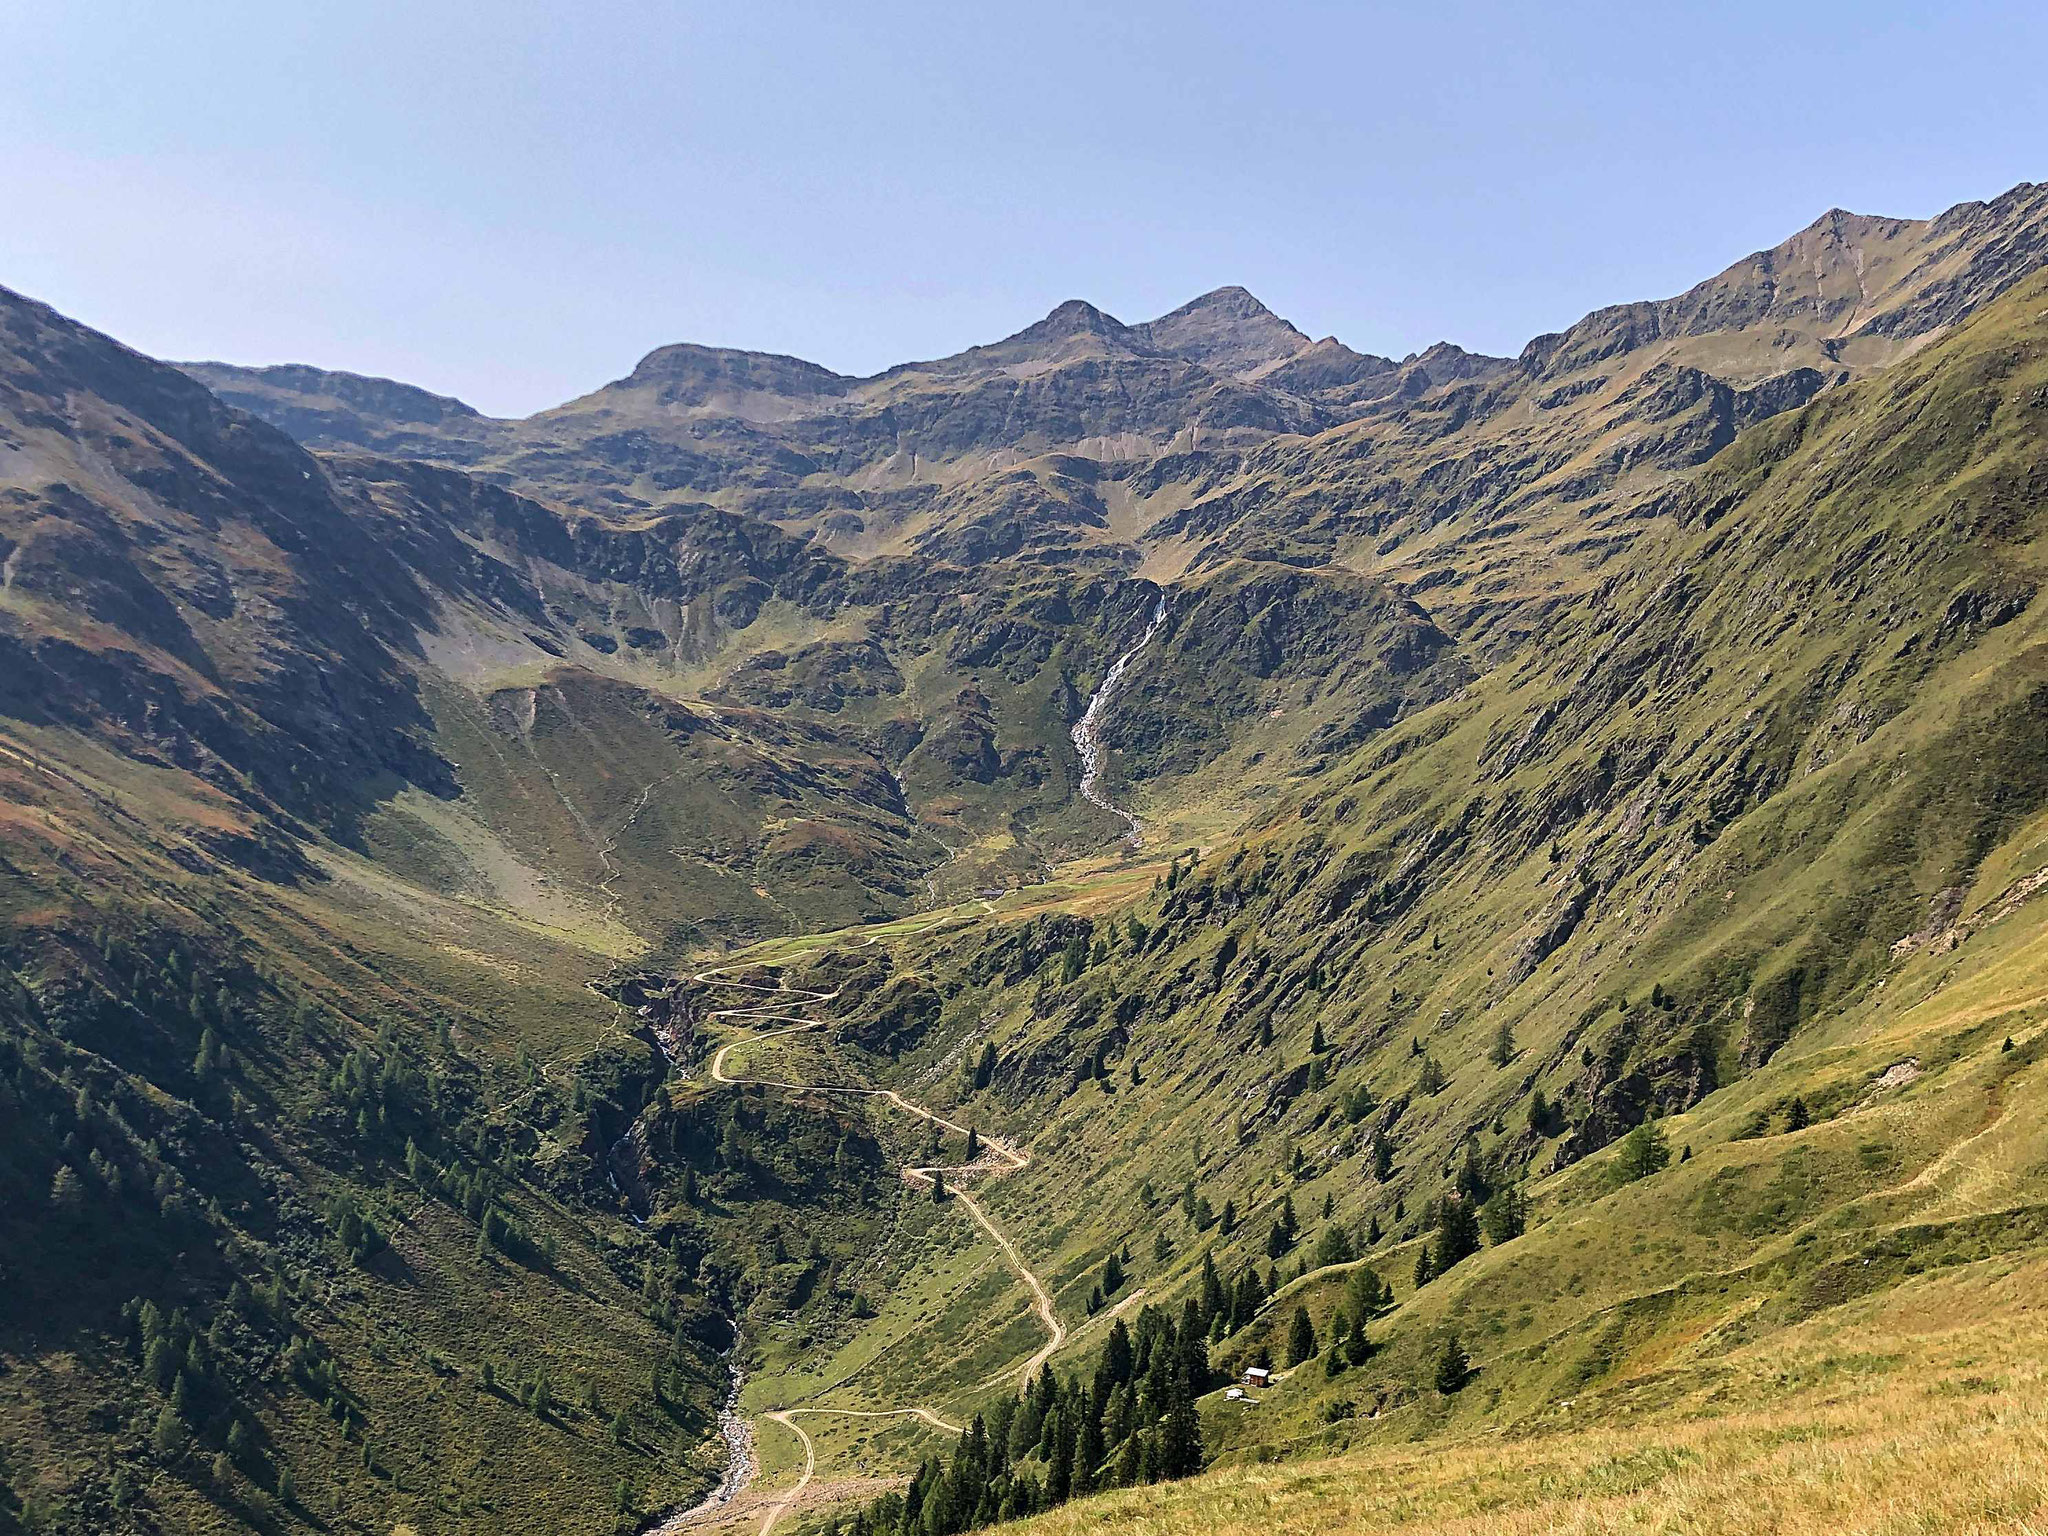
[1923,1411]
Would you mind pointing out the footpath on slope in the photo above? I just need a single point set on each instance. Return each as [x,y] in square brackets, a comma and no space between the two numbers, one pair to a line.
[997,1159]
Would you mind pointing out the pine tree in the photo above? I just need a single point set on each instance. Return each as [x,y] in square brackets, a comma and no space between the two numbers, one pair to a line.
[1301,1337]
[1644,1151]
[1333,1247]
[1128,1471]
[973,1144]
[1503,1044]
[1317,1043]
[1059,1478]
[1227,1223]
[1362,1295]
[160,1361]
[1382,1157]
[1425,1269]
[1180,1440]
[1457,1233]
[67,1191]
[1074,959]
[168,1438]
[1453,1367]
[1539,1113]
[1473,1184]
[938,1187]
[1357,1347]
[1506,1215]
[1088,1447]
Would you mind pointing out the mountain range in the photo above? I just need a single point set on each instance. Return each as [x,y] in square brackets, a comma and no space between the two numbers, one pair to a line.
[1648,732]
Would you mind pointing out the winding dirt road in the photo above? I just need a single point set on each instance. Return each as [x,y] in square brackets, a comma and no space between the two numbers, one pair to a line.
[996,1159]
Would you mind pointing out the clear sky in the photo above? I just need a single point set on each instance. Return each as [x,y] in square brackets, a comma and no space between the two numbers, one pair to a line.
[512,202]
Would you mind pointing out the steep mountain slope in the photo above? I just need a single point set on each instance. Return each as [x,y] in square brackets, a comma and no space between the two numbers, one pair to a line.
[1754,847]
[1645,730]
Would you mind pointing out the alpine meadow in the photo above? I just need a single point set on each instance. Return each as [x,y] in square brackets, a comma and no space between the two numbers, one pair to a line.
[1149,927]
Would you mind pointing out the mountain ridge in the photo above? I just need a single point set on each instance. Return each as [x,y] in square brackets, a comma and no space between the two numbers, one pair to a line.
[1535,758]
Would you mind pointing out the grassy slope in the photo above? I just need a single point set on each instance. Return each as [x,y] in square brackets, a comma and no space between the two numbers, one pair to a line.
[1799,721]
[251,1157]
[1918,1409]
[1810,728]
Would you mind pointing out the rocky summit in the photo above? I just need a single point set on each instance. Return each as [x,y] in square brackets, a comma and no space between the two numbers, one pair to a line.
[1163,925]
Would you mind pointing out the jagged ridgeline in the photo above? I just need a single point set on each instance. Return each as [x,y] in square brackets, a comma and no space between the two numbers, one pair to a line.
[1581,975]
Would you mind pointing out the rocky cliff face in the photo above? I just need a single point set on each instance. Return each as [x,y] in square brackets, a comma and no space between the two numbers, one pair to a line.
[924,568]
[1655,694]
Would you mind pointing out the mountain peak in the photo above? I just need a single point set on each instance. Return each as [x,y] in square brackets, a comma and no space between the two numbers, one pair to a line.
[725,381]
[1075,317]
[1231,299]
[1226,329]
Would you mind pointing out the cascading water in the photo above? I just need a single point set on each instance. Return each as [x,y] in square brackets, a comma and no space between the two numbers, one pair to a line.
[1088,731]
[738,1431]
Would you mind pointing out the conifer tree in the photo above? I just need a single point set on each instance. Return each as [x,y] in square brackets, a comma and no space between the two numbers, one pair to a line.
[1382,1155]
[67,1191]
[1301,1337]
[1088,1448]
[1644,1151]
[1457,1233]
[1506,1215]
[1503,1051]
[168,1437]
[1357,1348]
[1453,1367]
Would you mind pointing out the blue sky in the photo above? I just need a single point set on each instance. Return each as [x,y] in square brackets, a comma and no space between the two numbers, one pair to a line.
[513,202]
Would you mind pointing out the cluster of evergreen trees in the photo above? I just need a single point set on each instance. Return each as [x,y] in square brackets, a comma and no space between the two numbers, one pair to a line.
[1478,1202]
[1134,1422]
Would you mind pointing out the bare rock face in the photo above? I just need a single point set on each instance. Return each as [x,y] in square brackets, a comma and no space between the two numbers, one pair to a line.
[1226,330]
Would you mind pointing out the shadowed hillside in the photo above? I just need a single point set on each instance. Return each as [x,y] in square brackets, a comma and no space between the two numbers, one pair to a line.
[1577,986]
